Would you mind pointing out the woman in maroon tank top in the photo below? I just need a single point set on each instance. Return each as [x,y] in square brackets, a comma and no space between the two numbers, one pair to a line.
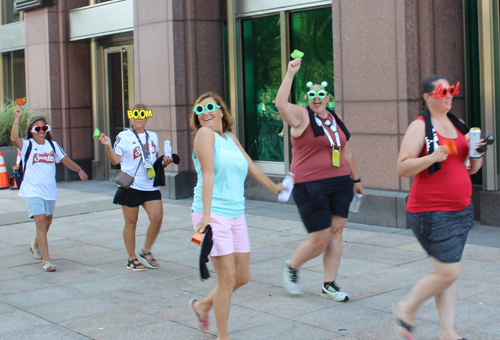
[325,180]
[439,208]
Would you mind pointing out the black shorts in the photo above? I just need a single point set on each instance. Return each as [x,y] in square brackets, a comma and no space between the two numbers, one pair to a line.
[134,198]
[442,233]
[319,200]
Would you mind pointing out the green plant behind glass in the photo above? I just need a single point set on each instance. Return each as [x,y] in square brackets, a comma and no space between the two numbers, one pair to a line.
[7,116]
[262,78]
[311,33]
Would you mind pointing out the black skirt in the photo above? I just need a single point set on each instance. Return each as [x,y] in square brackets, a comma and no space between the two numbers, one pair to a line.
[443,233]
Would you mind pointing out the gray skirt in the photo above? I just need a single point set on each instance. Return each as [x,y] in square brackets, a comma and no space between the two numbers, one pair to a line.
[443,233]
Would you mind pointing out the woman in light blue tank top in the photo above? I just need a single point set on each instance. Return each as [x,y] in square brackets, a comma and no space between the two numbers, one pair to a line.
[222,166]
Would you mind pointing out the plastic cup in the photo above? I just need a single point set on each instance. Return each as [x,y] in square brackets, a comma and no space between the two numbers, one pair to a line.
[97,133]
[297,54]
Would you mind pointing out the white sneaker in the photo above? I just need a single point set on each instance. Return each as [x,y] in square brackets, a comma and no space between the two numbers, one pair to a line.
[290,279]
[332,291]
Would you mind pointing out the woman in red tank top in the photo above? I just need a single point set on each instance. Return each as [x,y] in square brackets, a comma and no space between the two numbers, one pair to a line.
[439,208]
[325,180]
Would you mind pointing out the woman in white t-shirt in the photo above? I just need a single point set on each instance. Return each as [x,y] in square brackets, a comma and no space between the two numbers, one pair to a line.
[39,183]
[136,150]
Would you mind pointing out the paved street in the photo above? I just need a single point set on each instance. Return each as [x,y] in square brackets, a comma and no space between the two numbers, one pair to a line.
[93,296]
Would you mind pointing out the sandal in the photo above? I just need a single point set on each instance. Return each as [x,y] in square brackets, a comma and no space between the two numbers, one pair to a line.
[401,324]
[202,324]
[143,255]
[48,267]
[36,252]
[134,265]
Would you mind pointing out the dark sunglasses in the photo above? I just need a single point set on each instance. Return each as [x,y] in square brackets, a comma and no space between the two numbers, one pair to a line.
[37,128]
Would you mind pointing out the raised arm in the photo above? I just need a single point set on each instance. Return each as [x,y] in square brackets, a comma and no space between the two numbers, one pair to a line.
[257,173]
[112,156]
[14,134]
[291,113]
[204,148]
[409,162]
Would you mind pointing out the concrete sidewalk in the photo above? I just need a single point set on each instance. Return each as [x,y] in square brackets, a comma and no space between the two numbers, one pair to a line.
[93,296]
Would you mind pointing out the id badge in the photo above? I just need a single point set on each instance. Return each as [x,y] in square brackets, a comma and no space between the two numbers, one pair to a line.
[148,165]
[151,172]
[336,157]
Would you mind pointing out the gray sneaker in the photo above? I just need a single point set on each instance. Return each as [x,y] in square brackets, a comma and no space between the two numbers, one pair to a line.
[332,291]
[290,279]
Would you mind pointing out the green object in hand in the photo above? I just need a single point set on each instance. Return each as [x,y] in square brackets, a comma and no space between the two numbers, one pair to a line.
[297,54]
[97,133]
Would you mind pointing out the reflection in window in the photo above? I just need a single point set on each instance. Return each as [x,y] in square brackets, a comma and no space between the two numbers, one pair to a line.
[262,79]
[13,82]
[311,33]
[8,14]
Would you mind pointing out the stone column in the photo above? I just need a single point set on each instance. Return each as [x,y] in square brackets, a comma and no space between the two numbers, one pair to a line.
[178,50]
[58,81]
[382,52]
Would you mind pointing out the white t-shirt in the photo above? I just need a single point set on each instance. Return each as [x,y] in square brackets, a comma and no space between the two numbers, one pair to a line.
[127,146]
[40,175]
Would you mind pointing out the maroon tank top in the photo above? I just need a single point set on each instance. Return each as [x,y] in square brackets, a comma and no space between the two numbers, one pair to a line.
[312,156]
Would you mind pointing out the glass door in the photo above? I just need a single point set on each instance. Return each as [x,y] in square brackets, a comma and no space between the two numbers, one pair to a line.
[119,92]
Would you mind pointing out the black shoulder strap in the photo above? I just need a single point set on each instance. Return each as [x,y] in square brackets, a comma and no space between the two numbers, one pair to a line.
[340,123]
[318,130]
[27,155]
[52,145]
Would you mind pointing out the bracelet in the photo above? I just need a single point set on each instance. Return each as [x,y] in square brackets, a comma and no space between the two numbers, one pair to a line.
[16,123]
[109,148]
[80,170]
[356,180]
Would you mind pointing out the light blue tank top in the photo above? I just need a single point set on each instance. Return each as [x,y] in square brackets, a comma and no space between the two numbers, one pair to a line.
[230,172]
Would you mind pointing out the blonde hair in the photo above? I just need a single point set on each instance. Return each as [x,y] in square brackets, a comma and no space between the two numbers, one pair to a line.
[227,119]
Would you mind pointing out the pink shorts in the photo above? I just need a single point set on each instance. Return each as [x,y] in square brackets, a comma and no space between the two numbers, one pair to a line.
[230,235]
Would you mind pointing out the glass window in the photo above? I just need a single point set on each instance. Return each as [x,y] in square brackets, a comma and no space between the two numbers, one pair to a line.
[8,13]
[311,32]
[13,78]
[262,79]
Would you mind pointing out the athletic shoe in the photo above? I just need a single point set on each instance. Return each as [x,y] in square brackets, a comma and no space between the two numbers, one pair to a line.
[332,291]
[290,279]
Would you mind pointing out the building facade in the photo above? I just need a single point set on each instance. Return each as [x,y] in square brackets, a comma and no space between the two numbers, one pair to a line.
[83,63]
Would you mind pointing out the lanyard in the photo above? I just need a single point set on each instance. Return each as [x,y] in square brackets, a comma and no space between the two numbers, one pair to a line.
[334,125]
[144,150]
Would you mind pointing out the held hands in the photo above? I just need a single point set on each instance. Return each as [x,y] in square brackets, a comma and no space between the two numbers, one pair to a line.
[200,226]
[18,111]
[358,189]
[83,175]
[105,140]
[439,154]
[167,161]
[294,66]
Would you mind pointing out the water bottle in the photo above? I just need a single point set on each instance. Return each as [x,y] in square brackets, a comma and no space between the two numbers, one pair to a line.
[284,196]
[167,149]
[356,203]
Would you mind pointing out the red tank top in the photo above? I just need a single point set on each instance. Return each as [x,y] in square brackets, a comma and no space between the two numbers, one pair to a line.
[312,156]
[449,189]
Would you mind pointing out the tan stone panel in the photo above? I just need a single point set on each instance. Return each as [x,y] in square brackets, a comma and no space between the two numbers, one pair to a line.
[149,12]
[207,10]
[403,116]
[37,76]
[368,50]
[154,64]
[401,48]
[371,117]
[79,86]
[36,28]
[162,120]
[209,54]
[79,138]
[80,117]
[375,157]
[405,182]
